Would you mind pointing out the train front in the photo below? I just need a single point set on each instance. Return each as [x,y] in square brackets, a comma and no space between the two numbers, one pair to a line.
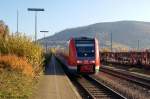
[87,55]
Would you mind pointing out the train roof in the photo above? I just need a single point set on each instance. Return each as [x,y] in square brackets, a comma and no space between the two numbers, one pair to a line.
[83,38]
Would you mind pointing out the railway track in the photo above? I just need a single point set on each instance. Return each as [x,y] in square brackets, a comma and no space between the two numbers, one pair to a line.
[91,88]
[97,90]
[141,81]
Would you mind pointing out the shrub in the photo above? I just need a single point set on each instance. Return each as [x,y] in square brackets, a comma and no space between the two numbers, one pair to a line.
[21,60]
[23,47]
[14,63]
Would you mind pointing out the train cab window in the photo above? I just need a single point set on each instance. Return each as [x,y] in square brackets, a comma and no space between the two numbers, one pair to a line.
[85,48]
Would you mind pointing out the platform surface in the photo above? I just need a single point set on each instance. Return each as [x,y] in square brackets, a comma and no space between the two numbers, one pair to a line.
[55,84]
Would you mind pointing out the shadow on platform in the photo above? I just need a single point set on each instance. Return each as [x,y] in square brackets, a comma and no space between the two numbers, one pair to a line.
[54,70]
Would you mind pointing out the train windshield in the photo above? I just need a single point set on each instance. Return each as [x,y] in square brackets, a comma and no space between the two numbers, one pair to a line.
[85,48]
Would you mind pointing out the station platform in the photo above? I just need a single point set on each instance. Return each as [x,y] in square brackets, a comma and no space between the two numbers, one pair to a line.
[55,84]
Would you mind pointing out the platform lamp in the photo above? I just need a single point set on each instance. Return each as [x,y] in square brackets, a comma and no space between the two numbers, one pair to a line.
[44,38]
[35,10]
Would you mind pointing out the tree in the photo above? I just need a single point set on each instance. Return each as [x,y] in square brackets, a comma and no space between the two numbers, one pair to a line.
[6,32]
[4,29]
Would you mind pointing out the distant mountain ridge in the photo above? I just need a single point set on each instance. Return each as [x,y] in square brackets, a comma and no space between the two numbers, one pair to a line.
[123,32]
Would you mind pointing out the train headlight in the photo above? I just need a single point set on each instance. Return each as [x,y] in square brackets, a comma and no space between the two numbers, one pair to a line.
[79,62]
[93,61]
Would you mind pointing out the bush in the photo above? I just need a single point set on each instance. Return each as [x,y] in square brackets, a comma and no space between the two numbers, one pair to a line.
[14,63]
[17,77]
[22,46]
[21,61]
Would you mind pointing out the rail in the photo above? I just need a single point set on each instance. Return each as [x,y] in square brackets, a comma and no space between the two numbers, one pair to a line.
[128,76]
[97,90]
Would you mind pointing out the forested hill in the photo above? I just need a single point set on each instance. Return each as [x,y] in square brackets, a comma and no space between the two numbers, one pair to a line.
[123,32]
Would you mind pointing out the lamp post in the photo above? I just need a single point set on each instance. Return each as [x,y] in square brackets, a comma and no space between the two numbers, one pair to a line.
[45,39]
[138,45]
[17,20]
[111,42]
[35,10]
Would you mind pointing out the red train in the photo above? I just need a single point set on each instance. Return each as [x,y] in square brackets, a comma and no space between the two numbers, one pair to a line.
[82,55]
[137,59]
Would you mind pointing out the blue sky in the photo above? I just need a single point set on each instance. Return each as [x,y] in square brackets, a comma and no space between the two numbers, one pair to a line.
[62,14]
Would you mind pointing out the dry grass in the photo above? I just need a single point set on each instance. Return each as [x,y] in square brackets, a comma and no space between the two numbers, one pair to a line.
[22,46]
[15,85]
[21,63]
[12,62]
[17,78]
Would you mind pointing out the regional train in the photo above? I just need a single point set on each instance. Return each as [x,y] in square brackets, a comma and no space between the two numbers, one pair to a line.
[81,55]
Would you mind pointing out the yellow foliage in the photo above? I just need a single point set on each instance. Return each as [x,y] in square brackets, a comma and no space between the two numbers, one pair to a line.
[22,46]
[12,62]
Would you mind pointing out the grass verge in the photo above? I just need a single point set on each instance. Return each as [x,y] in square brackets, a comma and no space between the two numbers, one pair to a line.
[21,64]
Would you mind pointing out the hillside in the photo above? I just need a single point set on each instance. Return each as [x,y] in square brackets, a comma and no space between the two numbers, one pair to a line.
[123,32]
